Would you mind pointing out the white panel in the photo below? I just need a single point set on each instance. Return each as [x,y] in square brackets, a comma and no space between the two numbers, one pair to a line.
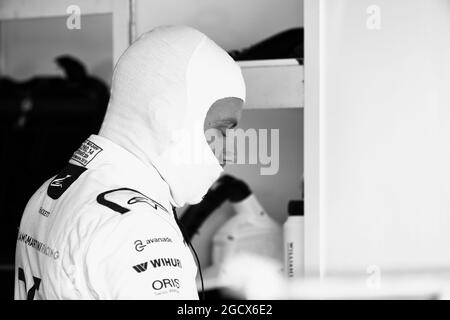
[385,105]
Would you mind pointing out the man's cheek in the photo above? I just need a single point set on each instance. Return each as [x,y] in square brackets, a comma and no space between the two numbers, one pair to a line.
[229,150]
[219,148]
[211,138]
[216,142]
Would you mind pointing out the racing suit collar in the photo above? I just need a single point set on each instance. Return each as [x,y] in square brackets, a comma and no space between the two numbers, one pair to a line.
[99,151]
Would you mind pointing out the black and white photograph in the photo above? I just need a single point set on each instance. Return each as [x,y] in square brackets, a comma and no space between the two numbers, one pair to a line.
[214,151]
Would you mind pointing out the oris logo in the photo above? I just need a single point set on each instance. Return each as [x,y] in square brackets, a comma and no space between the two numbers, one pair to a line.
[166,284]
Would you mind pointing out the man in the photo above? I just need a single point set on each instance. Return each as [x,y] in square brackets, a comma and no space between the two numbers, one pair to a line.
[103,228]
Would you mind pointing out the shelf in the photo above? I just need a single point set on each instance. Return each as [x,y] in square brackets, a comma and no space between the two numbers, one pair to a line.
[273,84]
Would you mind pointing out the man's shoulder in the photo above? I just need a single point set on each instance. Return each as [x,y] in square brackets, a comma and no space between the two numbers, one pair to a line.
[123,204]
[95,197]
[103,188]
[129,215]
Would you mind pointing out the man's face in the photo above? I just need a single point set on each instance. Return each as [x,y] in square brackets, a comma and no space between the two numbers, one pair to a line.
[224,114]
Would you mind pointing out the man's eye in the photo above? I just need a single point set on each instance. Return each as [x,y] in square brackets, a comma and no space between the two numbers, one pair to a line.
[223,129]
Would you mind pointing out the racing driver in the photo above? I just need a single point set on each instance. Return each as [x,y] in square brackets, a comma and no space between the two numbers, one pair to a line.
[105,226]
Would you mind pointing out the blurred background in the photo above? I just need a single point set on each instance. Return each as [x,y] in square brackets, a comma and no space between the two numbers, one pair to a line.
[357,90]
[56,63]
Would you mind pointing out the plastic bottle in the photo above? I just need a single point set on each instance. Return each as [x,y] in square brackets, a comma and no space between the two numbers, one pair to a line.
[293,240]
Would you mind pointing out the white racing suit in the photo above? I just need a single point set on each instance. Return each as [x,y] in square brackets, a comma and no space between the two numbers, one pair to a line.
[103,228]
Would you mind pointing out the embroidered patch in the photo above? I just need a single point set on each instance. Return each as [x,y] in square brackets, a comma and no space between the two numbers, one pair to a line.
[86,152]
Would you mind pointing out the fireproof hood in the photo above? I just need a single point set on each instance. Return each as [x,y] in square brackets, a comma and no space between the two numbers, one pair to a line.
[162,88]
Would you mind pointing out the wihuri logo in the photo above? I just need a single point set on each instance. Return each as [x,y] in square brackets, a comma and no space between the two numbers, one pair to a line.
[158,263]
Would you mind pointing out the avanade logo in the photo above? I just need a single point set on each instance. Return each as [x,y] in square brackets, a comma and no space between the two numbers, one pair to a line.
[139,245]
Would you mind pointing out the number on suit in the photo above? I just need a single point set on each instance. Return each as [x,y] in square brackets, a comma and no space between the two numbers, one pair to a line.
[34,288]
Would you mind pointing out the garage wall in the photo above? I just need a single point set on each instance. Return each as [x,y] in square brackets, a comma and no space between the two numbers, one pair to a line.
[233,24]
[31,45]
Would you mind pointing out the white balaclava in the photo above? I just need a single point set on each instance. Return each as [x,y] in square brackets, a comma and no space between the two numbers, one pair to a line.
[162,88]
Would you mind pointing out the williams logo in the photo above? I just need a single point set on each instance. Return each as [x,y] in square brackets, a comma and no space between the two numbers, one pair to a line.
[158,263]
[140,267]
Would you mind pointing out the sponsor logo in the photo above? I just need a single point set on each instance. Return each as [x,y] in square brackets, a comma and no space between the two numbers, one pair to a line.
[290,259]
[86,152]
[58,182]
[141,267]
[139,245]
[166,262]
[37,245]
[147,200]
[166,284]
[158,263]
[136,197]
[44,212]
